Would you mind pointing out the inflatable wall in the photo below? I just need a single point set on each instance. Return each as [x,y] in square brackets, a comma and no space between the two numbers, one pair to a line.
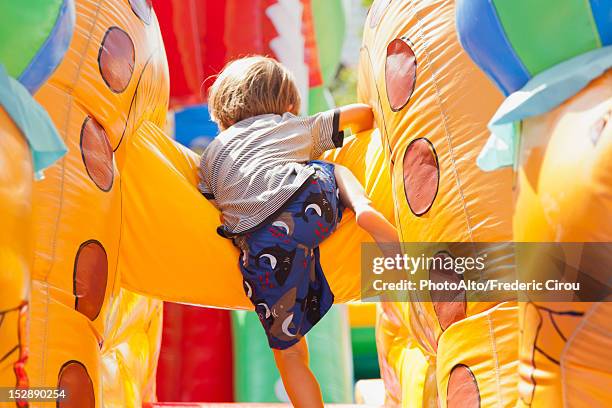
[432,105]
[99,246]
[113,77]
[16,255]
[111,230]
[29,144]
[554,129]
[205,335]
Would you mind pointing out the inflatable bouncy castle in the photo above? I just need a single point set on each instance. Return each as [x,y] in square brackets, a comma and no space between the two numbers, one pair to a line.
[492,126]
[432,104]
[111,79]
[555,68]
[30,144]
[97,249]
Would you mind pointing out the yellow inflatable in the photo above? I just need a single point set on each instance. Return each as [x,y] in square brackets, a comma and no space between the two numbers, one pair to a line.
[113,77]
[120,219]
[16,253]
[129,356]
[432,105]
[29,143]
[182,223]
[564,185]
[554,63]
[410,381]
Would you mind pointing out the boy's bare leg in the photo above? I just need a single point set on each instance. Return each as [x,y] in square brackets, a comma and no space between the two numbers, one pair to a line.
[354,197]
[300,384]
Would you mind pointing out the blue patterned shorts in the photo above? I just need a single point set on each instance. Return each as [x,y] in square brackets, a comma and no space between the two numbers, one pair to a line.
[280,261]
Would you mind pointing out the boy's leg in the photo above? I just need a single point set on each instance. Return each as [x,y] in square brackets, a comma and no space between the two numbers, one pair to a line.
[299,382]
[354,197]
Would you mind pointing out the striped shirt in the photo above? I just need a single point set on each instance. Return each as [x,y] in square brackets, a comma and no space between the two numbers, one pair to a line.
[250,170]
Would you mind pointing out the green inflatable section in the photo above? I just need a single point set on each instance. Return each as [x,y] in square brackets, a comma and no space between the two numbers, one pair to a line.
[256,378]
[330,30]
[532,26]
[365,357]
[19,46]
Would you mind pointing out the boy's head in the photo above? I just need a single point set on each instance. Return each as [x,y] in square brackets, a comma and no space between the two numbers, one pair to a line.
[249,87]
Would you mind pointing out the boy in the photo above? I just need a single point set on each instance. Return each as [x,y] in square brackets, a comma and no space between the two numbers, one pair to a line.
[278,203]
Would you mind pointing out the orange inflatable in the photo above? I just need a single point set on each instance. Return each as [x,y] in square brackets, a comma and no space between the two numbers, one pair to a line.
[16,253]
[113,77]
[565,346]
[29,143]
[120,219]
[432,105]
[555,66]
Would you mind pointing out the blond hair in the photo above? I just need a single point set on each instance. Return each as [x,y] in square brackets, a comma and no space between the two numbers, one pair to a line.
[249,87]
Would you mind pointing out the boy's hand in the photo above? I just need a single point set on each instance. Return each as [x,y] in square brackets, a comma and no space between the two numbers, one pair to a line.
[357,116]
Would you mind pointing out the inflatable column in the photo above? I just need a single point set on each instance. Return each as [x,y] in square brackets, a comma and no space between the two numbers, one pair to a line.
[431,105]
[112,79]
[554,61]
[15,251]
[33,39]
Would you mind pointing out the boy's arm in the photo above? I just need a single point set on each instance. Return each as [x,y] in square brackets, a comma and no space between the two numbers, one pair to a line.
[326,128]
[203,185]
[357,116]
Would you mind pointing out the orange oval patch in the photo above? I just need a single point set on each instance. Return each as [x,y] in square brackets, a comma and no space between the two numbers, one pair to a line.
[449,305]
[421,175]
[97,154]
[462,390]
[116,59]
[400,73]
[90,277]
[74,380]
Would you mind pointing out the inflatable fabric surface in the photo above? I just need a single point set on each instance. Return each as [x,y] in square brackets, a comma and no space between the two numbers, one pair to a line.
[432,104]
[16,252]
[562,187]
[113,77]
[184,247]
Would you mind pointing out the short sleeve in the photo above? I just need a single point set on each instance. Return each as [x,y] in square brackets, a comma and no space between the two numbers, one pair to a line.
[324,128]
[203,184]
[203,187]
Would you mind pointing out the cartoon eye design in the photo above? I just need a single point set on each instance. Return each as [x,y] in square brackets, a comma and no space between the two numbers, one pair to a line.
[400,72]
[248,289]
[281,224]
[285,325]
[266,308]
[316,209]
[271,259]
